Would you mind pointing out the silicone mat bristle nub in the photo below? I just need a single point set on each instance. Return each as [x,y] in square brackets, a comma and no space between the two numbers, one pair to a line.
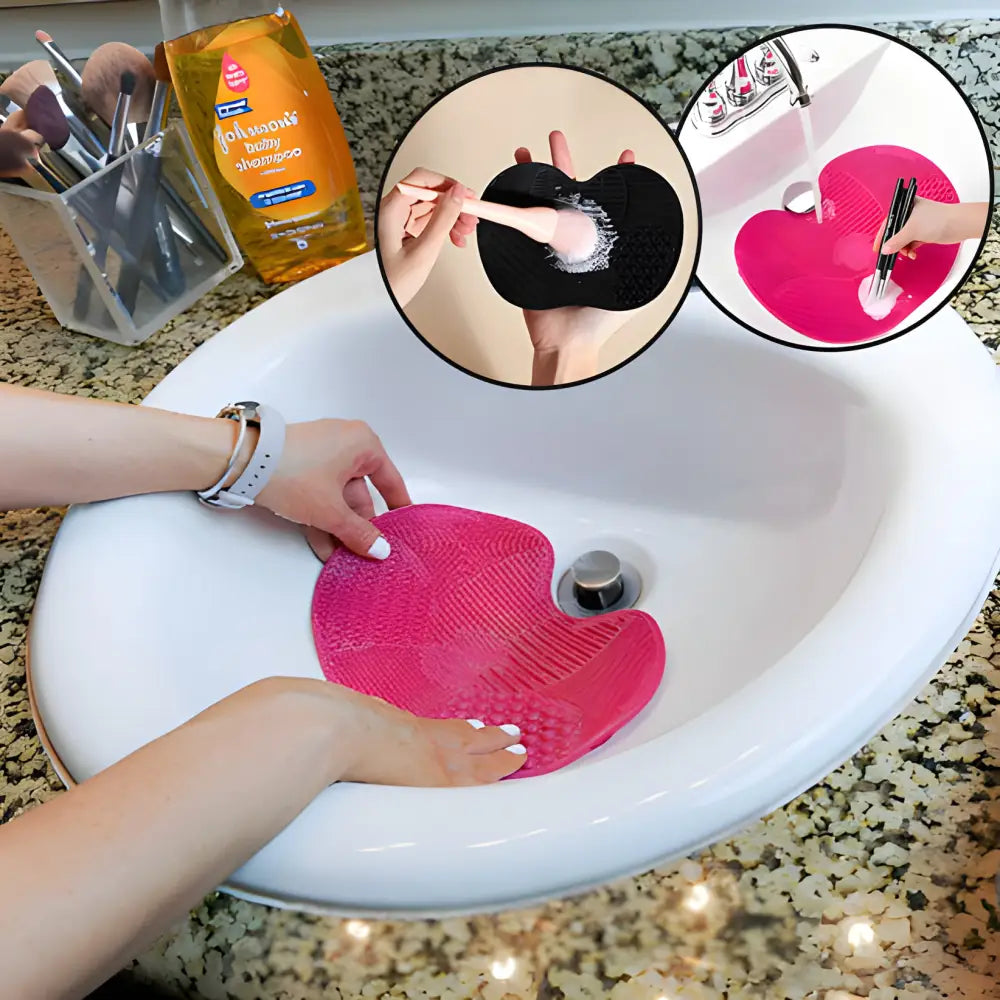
[807,274]
[642,210]
[459,622]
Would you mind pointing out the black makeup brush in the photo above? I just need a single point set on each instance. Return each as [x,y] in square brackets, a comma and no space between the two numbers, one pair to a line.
[119,120]
[899,214]
[148,233]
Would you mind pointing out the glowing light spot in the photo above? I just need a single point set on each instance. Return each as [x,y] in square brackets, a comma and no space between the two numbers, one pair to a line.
[503,968]
[698,898]
[358,929]
[861,934]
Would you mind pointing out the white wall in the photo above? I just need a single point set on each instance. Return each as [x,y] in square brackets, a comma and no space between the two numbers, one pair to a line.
[80,27]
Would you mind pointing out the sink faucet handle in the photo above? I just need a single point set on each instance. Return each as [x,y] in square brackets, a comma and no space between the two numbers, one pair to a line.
[768,69]
[740,89]
[711,106]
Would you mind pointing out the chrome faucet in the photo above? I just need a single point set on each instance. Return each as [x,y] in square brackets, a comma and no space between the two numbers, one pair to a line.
[751,83]
[801,96]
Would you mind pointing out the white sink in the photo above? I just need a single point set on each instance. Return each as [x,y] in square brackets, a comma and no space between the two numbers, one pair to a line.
[815,533]
[866,91]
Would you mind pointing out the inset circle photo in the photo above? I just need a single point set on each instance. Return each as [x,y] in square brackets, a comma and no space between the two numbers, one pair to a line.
[845,182]
[538,226]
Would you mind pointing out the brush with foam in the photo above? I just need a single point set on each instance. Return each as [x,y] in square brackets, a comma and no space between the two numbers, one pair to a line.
[898,215]
[568,231]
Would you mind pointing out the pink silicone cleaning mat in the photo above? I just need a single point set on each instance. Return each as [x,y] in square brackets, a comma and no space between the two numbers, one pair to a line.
[459,622]
[808,274]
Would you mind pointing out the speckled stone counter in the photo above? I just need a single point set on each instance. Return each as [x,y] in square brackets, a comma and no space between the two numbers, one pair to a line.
[876,883]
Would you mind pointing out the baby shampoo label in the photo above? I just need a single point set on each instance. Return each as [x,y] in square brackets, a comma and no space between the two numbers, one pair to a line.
[269,132]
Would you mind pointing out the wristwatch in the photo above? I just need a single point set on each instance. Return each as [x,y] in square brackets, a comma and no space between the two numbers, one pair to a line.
[263,461]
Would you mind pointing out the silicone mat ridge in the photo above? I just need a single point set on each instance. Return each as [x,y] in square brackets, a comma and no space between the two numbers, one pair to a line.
[459,622]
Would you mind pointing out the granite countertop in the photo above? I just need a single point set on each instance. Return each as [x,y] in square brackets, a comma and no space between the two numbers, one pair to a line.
[877,883]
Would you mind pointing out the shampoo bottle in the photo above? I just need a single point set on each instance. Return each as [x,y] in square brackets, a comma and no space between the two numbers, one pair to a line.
[266,132]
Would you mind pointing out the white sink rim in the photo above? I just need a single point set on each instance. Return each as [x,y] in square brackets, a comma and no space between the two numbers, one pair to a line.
[652,817]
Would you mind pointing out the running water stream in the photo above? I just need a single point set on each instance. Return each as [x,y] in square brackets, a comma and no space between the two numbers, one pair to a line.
[805,116]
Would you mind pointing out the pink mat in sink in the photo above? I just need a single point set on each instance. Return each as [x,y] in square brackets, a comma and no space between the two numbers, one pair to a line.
[459,622]
[807,274]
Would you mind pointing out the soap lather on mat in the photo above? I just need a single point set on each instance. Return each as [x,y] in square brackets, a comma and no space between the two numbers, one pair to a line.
[459,623]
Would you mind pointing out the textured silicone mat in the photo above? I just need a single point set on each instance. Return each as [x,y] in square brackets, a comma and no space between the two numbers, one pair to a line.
[459,622]
[643,209]
[807,274]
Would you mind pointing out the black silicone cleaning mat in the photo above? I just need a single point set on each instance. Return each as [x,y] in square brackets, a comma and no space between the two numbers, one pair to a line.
[642,210]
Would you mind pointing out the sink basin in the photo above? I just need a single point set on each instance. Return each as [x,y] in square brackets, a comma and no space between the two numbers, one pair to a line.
[803,523]
[867,90]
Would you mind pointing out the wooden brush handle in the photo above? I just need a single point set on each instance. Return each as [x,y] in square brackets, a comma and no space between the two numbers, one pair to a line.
[537,223]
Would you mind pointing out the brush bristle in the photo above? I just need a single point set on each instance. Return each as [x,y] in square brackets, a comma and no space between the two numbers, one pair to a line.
[46,117]
[160,65]
[26,79]
[128,83]
[43,36]
[16,152]
[102,80]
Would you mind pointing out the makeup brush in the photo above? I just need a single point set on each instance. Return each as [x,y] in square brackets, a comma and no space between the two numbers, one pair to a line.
[898,215]
[161,92]
[66,73]
[102,78]
[45,117]
[16,121]
[59,174]
[106,196]
[119,119]
[25,80]
[18,154]
[66,157]
[568,231]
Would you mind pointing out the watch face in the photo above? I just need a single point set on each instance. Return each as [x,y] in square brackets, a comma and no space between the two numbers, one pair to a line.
[250,410]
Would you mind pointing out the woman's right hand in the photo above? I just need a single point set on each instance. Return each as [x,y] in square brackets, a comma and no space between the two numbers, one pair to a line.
[936,222]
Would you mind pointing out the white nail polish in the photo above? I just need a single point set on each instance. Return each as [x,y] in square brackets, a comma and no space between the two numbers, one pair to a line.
[518,748]
[380,548]
[510,729]
[476,724]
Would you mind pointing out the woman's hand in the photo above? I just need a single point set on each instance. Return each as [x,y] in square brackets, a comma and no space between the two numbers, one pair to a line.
[567,340]
[178,816]
[412,233]
[936,222]
[57,450]
[321,484]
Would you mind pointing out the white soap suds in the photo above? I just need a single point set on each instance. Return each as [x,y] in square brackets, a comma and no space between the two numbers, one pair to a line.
[599,258]
[878,309]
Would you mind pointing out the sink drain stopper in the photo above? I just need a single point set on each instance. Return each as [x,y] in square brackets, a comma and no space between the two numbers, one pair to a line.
[598,582]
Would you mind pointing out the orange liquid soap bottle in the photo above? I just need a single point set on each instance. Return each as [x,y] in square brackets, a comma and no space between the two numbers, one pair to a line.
[267,133]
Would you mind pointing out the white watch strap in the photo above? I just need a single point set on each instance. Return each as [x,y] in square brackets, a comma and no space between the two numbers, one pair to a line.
[263,462]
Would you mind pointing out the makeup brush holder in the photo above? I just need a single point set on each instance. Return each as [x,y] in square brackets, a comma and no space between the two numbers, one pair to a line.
[124,251]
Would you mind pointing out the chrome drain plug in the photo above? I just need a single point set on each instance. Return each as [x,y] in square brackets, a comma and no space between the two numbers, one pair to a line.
[598,582]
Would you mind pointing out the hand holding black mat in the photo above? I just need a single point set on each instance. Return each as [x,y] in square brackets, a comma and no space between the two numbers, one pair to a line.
[639,210]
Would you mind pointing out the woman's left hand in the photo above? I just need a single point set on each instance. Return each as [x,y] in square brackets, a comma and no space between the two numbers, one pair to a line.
[321,483]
